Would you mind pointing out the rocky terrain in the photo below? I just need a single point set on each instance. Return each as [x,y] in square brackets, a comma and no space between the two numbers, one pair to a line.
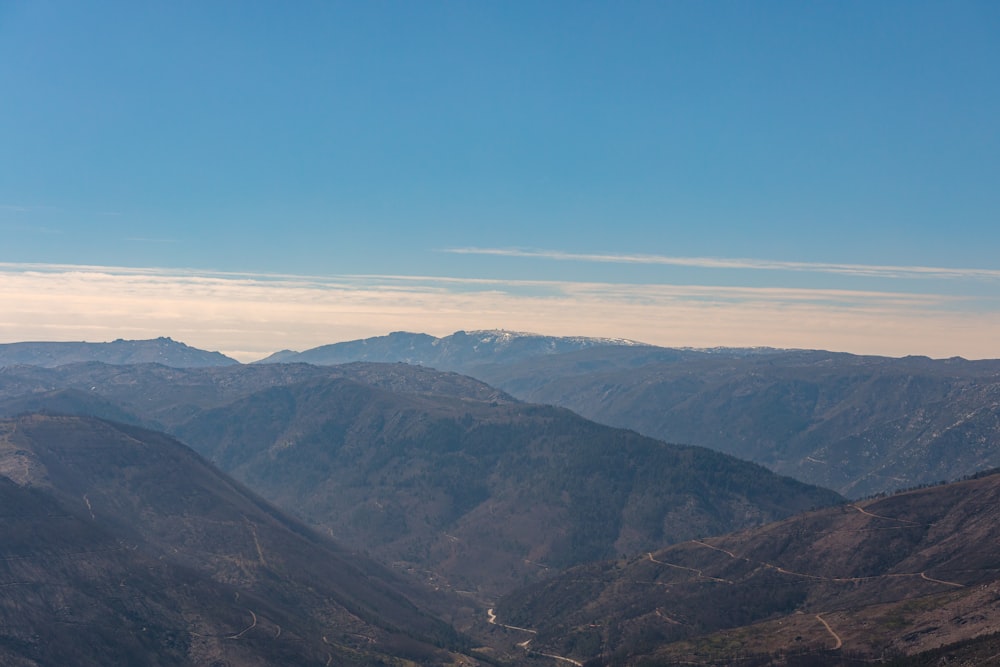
[883,578]
[435,473]
[122,546]
[160,351]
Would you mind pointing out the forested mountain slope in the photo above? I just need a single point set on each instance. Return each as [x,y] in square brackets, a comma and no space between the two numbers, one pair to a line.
[859,425]
[159,350]
[894,575]
[122,546]
[483,494]
[432,471]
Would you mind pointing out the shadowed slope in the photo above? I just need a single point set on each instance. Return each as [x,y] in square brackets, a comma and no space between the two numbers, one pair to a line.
[484,494]
[856,424]
[900,574]
[159,350]
[139,552]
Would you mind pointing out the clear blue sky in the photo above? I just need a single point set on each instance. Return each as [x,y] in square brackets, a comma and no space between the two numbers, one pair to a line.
[337,139]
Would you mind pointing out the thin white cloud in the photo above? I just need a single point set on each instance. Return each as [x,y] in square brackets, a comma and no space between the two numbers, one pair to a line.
[140,239]
[27,208]
[33,229]
[864,270]
[253,315]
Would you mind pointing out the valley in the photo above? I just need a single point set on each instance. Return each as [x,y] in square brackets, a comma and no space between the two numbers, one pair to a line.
[659,333]
[438,474]
[123,546]
[857,424]
[477,528]
[887,577]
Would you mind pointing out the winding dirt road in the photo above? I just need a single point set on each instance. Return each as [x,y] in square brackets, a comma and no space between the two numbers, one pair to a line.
[836,637]
[689,569]
[492,618]
[253,624]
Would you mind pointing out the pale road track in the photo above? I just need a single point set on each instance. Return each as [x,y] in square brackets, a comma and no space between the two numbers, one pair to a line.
[256,542]
[492,618]
[728,553]
[836,637]
[666,618]
[559,657]
[253,624]
[689,569]
[778,568]
[329,657]
[923,575]
[880,516]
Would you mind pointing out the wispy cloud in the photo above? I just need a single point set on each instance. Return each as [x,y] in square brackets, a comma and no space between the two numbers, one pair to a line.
[140,239]
[34,229]
[17,218]
[251,315]
[27,208]
[864,270]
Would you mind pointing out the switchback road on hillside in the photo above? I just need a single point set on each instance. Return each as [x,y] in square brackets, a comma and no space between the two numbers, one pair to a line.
[805,575]
[689,569]
[492,618]
[836,637]
[253,624]
[881,516]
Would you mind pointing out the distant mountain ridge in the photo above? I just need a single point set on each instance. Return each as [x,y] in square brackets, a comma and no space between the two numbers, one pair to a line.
[453,484]
[856,424]
[455,352]
[428,469]
[161,350]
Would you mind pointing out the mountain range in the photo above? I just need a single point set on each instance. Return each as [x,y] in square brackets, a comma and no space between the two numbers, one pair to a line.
[122,546]
[509,530]
[435,472]
[857,424]
[862,582]
[458,352]
[159,350]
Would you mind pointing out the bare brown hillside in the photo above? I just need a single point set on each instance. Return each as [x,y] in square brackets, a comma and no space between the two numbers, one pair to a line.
[896,575]
[122,546]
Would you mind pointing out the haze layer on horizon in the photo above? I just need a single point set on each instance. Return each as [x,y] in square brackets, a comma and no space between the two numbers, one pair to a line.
[251,316]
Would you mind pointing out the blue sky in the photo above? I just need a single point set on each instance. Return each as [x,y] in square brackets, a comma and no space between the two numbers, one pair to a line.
[256,176]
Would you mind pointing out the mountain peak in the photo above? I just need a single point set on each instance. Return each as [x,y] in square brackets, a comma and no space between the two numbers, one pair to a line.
[162,350]
[456,352]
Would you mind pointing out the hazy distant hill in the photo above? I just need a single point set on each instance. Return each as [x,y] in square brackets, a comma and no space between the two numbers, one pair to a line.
[458,352]
[484,494]
[122,546]
[857,424]
[159,350]
[161,397]
[898,575]
[427,468]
